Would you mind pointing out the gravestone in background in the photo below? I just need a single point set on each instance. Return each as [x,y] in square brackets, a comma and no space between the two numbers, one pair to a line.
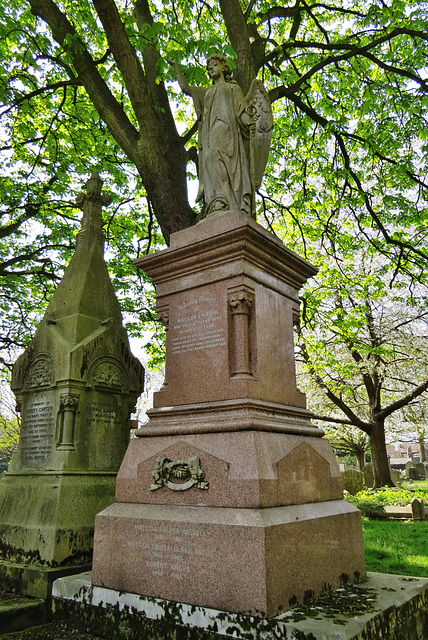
[413,473]
[368,475]
[420,466]
[228,497]
[395,476]
[353,481]
[76,385]
[409,465]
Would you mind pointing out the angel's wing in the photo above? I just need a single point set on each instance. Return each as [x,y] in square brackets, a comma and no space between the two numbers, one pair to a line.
[258,98]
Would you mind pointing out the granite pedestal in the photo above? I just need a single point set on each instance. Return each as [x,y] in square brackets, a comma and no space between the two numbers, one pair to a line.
[229,497]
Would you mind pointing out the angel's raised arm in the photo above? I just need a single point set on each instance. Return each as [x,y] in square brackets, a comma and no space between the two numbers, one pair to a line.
[185,86]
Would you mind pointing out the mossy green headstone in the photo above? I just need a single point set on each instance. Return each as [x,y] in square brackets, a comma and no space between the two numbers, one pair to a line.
[76,385]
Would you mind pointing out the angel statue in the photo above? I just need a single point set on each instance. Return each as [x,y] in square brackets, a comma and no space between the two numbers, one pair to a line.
[234,139]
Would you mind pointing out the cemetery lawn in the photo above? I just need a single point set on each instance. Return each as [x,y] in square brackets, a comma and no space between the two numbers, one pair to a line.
[422,485]
[396,546]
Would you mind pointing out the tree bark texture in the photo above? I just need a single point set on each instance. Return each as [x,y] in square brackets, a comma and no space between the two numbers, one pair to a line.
[422,455]
[382,475]
[155,147]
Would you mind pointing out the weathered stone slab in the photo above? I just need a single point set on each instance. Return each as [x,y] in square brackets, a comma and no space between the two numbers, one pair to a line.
[418,509]
[16,615]
[368,475]
[353,481]
[384,606]
[421,470]
[232,559]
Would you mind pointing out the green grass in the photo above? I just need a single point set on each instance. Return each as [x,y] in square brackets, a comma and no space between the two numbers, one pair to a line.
[396,546]
[420,485]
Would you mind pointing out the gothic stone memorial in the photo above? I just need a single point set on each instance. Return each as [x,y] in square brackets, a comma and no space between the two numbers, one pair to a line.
[75,384]
[229,497]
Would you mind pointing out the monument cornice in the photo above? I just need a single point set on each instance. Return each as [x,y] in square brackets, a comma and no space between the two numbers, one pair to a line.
[214,244]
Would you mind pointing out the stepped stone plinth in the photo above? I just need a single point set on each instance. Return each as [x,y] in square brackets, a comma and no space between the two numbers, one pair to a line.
[229,497]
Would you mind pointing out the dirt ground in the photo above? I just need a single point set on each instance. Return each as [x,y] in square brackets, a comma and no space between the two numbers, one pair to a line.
[49,631]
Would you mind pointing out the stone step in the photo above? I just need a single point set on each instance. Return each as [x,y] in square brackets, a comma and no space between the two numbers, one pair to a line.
[382,606]
[18,613]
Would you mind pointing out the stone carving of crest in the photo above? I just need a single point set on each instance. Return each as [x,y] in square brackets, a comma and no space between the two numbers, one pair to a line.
[40,373]
[109,374]
[178,475]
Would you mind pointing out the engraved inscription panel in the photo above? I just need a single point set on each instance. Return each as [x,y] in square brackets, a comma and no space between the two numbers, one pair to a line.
[197,325]
[169,550]
[103,413]
[37,432]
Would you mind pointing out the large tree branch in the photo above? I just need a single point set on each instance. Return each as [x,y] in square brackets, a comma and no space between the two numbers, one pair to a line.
[290,12]
[274,94]
[46,89]
[351,52]
[237,31]
[126,59]
[349,413]
[107,106]
[399,404]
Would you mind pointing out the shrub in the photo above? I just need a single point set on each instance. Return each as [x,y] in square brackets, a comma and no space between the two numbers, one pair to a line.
[372,501]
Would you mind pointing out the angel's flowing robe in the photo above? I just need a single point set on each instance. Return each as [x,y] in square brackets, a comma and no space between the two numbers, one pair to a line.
[224,171]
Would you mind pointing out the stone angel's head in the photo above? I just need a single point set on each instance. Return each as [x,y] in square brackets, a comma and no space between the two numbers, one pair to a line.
[222,60]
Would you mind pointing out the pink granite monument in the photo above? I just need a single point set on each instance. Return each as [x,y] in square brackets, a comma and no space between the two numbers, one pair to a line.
[229,497]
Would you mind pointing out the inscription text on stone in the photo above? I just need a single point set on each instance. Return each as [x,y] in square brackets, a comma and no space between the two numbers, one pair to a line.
[198,326]
[37,431]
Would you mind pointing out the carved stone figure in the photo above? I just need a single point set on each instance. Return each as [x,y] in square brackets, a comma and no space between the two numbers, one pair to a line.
[234,138]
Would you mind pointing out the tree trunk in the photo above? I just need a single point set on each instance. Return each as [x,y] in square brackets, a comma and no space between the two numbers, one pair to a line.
[421,441]
[381,471]
[360,456]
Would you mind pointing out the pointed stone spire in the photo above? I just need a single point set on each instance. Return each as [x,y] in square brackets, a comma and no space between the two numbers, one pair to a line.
[86,288]
[76,383]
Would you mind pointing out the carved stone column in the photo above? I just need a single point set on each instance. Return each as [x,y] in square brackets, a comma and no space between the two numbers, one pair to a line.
[68,415]
[162,315]
[240,303]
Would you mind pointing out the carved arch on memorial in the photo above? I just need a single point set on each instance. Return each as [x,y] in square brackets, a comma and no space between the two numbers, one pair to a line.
[40,374]
[108,373]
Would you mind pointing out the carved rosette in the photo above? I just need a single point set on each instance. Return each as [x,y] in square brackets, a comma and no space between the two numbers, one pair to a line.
[241,303]
[178,475]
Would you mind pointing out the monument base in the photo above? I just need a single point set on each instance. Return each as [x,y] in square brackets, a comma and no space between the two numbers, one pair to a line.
[47,523]
[253,561]
[383,606]
[260,527]
[32,580]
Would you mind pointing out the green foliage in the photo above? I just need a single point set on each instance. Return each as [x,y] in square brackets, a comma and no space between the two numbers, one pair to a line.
[346,180]
[386,497]
[421,485]
[397,547]
[9,434]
